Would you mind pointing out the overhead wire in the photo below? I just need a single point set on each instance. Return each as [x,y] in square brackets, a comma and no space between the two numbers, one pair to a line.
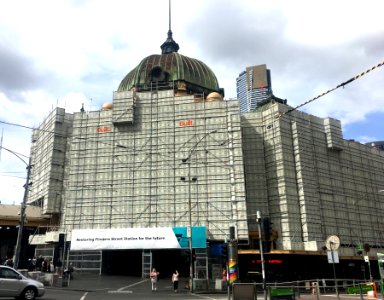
[331,90]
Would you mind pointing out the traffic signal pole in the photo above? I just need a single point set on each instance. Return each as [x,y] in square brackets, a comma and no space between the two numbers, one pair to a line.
[232,265]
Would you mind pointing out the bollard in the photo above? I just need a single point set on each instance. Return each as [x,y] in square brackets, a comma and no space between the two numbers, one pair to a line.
[298,289]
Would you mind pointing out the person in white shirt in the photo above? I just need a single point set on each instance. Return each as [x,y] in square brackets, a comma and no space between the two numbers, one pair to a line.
[175,280]
[154,277]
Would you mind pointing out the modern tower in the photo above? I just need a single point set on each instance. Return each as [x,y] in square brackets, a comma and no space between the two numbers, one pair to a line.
[254,86]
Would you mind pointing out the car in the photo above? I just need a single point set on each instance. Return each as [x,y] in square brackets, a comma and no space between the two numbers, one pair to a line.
[15,284]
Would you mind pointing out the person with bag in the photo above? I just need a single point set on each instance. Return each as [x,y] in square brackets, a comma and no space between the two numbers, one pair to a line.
[175,280]
[154,278]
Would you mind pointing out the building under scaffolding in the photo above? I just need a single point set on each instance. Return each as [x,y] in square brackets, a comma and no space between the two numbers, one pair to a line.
[311,182]
[170,152]
[175,159]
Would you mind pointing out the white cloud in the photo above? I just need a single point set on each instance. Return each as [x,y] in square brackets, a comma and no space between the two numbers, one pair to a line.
[71,52]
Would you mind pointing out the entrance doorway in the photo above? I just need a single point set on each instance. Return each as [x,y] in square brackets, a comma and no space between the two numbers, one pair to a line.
[129,262]
[122,262]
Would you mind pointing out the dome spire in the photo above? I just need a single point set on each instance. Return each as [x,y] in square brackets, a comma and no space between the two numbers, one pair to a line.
[169,45]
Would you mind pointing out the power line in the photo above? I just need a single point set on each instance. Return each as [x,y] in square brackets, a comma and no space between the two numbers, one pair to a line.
[331,90]
[52,132]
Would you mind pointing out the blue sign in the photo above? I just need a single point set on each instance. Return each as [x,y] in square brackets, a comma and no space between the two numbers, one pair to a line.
[181,235]
[199,236]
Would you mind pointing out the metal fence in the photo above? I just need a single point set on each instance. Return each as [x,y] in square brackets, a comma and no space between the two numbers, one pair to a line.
[311,289]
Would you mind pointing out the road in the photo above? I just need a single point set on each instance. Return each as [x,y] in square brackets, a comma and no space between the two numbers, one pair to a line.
[121,288]
[120,295]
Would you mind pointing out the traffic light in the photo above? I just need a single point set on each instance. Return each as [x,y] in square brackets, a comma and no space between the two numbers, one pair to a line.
[224,251]
[267,234]
[61,240]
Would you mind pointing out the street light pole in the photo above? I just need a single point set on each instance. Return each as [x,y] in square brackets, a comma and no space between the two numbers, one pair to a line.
[190,180]
[258,219]
[22,209]
[331,243]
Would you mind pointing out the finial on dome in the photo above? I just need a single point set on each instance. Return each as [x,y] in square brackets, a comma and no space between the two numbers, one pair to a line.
[82,107]
[169,45]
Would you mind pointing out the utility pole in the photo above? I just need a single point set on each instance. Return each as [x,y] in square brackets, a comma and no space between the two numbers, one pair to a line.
[22,215]
[22,207]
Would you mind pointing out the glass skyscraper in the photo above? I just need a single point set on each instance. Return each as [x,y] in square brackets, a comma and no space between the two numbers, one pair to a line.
[253,87]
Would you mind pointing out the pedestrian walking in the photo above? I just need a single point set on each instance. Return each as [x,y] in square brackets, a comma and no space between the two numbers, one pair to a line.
[9,262]
[175,280]
[224,275]
[58,266]
[39,263]
[154,278]
[45,265]
[30,265]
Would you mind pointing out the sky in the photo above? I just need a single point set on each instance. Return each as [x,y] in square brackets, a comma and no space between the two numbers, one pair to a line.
[71,52]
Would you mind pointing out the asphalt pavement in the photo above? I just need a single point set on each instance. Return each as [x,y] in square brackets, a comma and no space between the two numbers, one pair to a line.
[90,282]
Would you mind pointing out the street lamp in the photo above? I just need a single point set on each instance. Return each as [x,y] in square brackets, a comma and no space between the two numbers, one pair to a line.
[189,180]
[22,208]
[258,219]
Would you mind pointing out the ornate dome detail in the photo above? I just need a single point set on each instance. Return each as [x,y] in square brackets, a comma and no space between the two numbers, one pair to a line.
[172,67]
[214,96]
[107,106]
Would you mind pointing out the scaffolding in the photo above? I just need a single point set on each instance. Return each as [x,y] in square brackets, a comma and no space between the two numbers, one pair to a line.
[316,184]
[125,166]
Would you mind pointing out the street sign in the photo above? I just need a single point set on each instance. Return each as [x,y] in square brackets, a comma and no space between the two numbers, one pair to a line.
[335,258]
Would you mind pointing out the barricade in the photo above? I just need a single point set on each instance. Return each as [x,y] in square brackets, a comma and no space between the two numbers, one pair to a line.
[244,291]
[281,293]
[368,288]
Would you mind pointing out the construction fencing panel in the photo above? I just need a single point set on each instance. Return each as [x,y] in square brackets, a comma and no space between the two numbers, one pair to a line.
[244,291]
[86,261]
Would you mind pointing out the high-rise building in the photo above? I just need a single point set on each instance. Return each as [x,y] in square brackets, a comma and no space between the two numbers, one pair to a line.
[253,87]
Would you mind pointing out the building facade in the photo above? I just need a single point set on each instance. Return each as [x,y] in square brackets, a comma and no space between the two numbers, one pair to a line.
[170,152]
[311,182]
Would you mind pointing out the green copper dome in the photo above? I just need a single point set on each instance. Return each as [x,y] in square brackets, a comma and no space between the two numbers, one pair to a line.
[171,70]
[171,67]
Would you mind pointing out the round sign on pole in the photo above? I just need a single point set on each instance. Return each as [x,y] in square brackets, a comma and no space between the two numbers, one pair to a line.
[332,242]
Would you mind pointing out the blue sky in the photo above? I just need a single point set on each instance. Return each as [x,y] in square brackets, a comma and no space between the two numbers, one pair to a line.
[66,52]
[370,129]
